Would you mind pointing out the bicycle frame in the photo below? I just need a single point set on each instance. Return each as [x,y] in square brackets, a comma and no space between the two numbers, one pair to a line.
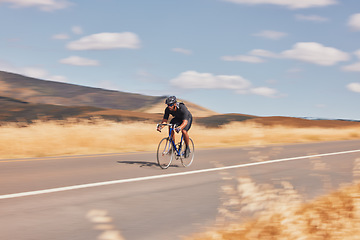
[177,150]
[171,129]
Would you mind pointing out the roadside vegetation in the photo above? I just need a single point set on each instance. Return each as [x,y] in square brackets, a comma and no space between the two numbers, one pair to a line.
[330,217]
[72,137]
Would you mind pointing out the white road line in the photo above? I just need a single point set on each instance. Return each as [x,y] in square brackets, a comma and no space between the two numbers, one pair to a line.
[89,185]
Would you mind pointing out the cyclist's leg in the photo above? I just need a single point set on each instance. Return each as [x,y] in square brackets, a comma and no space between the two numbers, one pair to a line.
[185,133]
[172,134]
[177,122]
[186,137]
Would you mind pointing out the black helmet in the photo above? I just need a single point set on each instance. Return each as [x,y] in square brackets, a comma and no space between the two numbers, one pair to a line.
[170,100]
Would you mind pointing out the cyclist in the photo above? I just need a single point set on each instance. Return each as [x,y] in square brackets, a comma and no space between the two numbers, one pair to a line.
[182,118]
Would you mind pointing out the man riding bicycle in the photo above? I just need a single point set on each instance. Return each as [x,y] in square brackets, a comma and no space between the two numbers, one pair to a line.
[182,118]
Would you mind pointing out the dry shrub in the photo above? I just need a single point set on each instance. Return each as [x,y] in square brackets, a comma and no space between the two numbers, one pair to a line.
[244,134]
[335,216]
[52,138]
[68,138]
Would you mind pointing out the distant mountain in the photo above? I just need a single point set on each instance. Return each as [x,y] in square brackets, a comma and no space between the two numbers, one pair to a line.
[49,92]
[28,99]
[14,110]
[222,119]
[25,99]
[302,123]
[39,91]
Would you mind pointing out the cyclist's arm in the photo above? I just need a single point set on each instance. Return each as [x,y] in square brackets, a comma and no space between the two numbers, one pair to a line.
[162,122]
[186,116]
[165,119]
[166,115]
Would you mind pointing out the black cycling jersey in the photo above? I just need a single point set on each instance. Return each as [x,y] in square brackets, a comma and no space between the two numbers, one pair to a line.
[181,112]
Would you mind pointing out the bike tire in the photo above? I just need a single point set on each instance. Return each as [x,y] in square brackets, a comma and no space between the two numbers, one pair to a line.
[164,153]
[186,162]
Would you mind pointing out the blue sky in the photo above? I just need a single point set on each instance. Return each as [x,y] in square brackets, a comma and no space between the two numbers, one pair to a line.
[260,57]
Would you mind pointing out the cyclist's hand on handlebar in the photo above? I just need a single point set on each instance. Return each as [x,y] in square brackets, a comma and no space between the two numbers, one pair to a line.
[178,129]
[159,127]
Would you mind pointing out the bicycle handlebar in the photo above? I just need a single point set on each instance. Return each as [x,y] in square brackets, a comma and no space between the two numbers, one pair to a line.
[173,125]
[165,124]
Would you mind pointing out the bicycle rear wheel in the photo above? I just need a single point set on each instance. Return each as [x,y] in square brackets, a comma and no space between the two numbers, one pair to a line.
[164,153]
[187,161]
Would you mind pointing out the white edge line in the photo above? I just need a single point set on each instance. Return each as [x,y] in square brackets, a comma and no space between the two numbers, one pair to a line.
[61,189]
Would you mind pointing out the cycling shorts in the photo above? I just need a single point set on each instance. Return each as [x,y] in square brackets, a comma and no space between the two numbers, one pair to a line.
[178,122]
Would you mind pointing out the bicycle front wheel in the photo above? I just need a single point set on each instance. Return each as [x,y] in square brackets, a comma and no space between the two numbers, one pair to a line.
[187,161]
[164,153]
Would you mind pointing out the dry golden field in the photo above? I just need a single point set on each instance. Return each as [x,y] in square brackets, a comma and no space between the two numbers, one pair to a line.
[330,217]
[72,137]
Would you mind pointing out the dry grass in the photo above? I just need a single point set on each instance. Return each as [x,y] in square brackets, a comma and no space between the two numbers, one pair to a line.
[55,138]
[244,134]
[71,137]
[336,216]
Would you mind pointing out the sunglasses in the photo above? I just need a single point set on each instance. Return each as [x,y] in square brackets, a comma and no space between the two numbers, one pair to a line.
[170,105]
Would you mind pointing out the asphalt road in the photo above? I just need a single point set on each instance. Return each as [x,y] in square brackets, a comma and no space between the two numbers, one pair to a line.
[127,196]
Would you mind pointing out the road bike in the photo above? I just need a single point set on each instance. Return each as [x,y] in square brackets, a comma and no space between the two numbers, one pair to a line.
[167,149]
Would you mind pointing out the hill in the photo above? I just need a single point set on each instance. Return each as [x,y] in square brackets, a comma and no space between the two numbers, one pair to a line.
[302,123]
[28,99]
[14,110]
[49,92]
[18,110]
[39,91]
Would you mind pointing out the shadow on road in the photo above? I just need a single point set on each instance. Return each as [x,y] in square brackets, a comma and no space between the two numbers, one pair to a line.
[144,164]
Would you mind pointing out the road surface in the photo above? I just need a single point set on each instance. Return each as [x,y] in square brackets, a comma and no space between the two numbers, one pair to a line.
[127,196]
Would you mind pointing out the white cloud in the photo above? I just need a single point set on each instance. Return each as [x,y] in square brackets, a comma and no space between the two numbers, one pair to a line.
[264,91]
[58,78]
[357,53]
[193,79]
[60,36]
[143,73]
[263,53]
[77,30]
[253,57]
[320,105]
[240,85]
[354,87]
[39,73]
[102,41]
[316,53]
[355,67]
[274,35]
[292,4]
[311,52]
[33,72]
[43,5]
[354,22]
[79,61]
[243,58]
[295,70]
[182,50]
[312,18]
